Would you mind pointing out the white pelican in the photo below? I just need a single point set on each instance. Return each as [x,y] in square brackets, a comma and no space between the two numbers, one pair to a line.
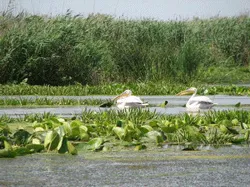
[127,100]
[197,102]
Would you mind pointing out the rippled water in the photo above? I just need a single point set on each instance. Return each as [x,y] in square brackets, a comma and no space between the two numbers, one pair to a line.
[226,166]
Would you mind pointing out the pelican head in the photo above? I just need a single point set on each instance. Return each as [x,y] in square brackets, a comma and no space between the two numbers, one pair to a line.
[124,94]
[189,91]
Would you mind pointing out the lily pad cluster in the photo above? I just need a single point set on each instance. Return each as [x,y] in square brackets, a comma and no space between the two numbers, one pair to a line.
[50,135]
[137,129]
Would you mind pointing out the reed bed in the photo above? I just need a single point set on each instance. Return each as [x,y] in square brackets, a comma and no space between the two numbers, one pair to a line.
[98,49]
[48,102]
[142,88]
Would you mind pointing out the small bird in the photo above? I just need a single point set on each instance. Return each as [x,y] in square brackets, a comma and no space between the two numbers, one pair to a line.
[197,102]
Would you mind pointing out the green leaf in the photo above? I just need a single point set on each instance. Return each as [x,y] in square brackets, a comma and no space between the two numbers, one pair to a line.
[64,146]
[51,140]
[120,132]
[4,129]
[247,135]
[140,147]
[39,129]
[61,133]
[171,128]
[235,122]
[36,141]
[119,123]
[7,146]
[21,137]
[238,140]
[83,133]
[67,128]
[232,130]
[244,126]
[224,129]
[34,148]
[155,136]
[20,151]
[7,153]
[146,128]
[95,143]
[72,150]
[76,123]
[75,133]
[164,104]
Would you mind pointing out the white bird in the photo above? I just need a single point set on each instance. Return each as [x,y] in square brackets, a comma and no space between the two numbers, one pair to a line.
[197,102]
[127,100]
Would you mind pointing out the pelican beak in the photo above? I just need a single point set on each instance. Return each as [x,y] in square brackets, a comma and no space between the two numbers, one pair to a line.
[122,95]
[185,92]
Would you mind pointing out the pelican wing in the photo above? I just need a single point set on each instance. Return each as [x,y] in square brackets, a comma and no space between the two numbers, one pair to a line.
[130,99]
[201,99]
[201,102]
[130,102]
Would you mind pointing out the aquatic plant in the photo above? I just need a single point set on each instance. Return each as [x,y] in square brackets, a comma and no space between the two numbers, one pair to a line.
[48,101]
[138,129]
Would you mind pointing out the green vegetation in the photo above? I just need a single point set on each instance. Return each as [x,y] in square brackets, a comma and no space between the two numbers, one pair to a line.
[113,130]
[101,55]
[143,88]
[100,49]
[48,102]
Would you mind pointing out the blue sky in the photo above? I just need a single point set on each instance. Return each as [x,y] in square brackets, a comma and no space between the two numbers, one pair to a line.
[155,9]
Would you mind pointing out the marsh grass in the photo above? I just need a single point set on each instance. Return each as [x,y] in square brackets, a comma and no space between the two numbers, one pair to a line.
[100,49]
[141,88]
[48,102]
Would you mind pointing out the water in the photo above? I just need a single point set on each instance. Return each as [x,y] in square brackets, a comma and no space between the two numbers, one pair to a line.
[167,166]
[157,9]
[226,166]
[175,105]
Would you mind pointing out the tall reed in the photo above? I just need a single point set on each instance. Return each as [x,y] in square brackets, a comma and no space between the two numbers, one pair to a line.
[100,49]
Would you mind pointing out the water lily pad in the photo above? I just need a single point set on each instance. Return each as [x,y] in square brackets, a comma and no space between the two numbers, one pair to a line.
[72,150]
[140,147]
[146,128]
[63,148]
[21,136]
[51,140]
[20,151]
[120,132]
[95,143]
[7,153]
[35,147]
[7,146]
[155,136]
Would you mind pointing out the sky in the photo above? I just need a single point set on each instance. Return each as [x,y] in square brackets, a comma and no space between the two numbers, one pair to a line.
[135,9]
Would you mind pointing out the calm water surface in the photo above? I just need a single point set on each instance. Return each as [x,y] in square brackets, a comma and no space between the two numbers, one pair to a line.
[175,105]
